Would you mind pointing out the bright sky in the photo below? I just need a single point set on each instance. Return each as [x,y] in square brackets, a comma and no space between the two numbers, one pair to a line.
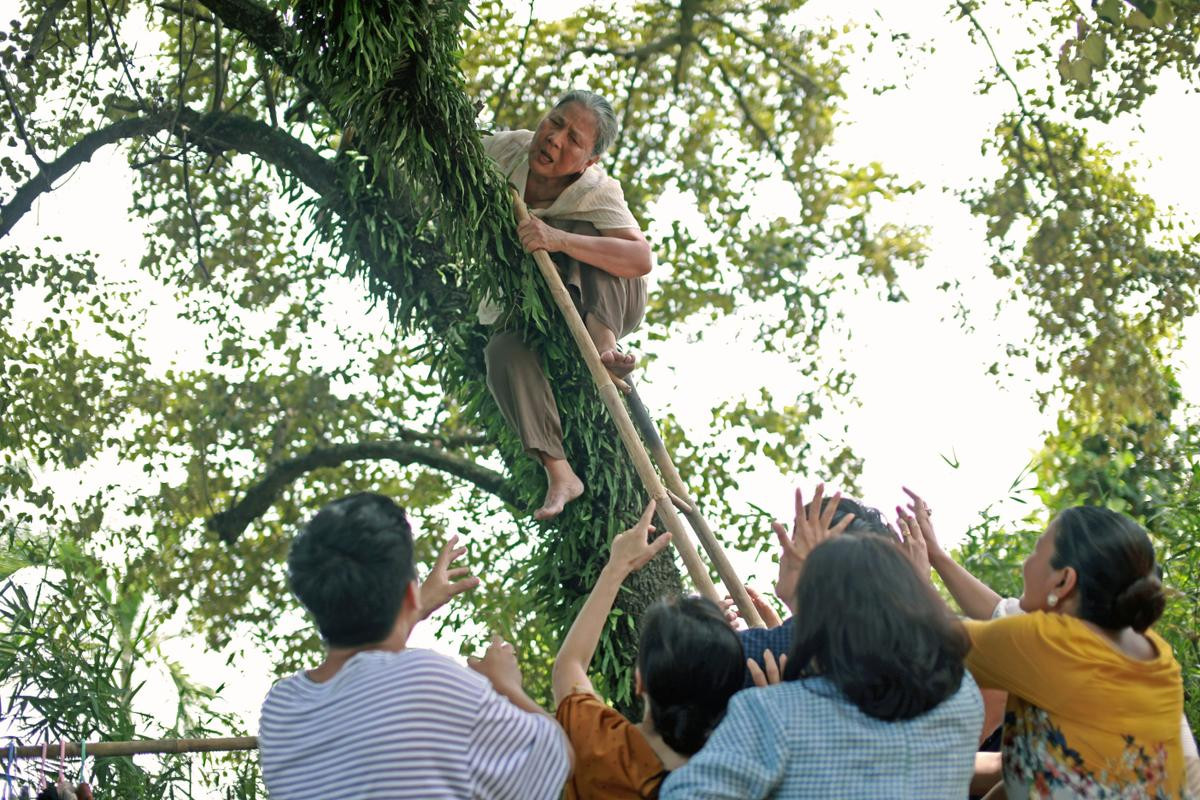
[924,396]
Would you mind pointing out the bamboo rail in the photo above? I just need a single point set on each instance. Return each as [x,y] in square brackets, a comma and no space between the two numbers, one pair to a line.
[620,415]
[135,748]
[691,510]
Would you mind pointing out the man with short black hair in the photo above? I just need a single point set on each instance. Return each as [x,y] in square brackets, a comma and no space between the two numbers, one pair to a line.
[379,720]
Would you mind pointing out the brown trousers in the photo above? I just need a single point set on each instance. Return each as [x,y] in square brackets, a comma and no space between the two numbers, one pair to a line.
[514,372]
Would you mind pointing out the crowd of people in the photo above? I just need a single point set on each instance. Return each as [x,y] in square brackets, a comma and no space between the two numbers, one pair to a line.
[872,687]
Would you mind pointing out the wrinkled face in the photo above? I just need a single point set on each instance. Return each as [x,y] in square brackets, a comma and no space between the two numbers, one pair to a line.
[562,144]
[1042,579]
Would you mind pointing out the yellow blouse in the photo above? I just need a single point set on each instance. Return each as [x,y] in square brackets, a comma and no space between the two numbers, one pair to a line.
[1082,719]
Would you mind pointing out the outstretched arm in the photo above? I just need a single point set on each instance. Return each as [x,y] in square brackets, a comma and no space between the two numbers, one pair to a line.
[976,599]
[630,551]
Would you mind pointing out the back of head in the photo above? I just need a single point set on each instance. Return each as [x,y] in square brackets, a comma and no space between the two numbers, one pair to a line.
[866,520]
[1118,581]
[350,566]
[691,663]
[867,623]
[606,118]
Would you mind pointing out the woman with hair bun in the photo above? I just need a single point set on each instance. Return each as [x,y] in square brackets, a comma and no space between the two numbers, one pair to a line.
[689,664]
[1095,696]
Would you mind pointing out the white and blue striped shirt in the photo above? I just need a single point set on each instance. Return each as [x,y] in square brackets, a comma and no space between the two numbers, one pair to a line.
[411,724]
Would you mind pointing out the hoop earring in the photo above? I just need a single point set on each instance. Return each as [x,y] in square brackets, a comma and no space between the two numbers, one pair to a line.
[1052,600]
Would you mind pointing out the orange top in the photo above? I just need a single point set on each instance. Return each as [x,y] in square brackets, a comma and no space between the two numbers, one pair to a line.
[612,757]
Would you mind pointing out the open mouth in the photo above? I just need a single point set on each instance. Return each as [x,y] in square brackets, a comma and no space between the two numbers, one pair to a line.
[544,158]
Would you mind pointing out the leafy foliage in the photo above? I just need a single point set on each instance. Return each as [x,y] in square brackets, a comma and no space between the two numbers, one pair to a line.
[279,148]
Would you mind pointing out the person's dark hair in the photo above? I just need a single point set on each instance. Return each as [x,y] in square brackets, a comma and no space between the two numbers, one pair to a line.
[1118,580]
[866,519]
[350,567]
[873,628]
[691,663]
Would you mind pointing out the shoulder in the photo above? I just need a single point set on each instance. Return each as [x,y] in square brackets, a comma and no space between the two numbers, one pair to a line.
[1033,626]
[583,713]
[776,639]
[500,145]
[599,199]
[286,693]
[599,732]
[968,699]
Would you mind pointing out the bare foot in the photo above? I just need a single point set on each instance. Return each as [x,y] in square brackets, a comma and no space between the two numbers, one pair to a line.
[618,363]
[560,492]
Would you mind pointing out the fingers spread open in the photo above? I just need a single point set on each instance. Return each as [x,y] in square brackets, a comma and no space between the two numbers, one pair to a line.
[843,523]
[830,509]
[756,673]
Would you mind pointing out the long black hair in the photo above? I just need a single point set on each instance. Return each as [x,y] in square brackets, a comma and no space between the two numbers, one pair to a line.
[691,663]
[872,627]
[1119,582]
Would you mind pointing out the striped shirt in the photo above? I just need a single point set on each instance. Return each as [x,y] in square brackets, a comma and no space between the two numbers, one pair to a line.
[804,739]
[408,724]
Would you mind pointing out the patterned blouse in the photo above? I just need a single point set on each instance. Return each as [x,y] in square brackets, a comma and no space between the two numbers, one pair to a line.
[1083,719]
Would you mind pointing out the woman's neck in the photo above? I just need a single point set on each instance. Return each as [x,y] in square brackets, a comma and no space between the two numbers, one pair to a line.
[670,759]
[539,190]
[1127,642]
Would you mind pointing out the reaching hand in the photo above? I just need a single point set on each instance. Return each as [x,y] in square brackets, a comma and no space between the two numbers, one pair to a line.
[770,616]
[443,583]
[913,544]
[766,611]
[499,665]
[631,550]
[537,235]
[732,615]
[922,514]
[774,673]
[809,528]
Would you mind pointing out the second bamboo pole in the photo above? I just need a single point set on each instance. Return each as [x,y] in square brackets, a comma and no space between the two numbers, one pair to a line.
[620,416]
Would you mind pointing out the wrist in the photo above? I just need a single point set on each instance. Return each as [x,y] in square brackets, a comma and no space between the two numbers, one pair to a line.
[939,559]
[614,571]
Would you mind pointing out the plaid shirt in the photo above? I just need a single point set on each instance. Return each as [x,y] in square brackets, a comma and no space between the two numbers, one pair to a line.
[803,738]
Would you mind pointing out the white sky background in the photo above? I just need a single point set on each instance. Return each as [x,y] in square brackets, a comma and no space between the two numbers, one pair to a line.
[921,378]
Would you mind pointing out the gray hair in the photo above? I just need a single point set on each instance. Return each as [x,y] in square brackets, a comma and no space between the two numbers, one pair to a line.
[606,118]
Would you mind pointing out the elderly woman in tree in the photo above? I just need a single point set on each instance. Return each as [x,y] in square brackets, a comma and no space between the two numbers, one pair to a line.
[579,215]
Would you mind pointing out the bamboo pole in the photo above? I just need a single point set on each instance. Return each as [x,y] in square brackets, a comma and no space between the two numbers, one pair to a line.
[139,747]
[691,510]
[620,415]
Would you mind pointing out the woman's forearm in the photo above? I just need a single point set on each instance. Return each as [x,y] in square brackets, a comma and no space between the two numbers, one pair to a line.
[616,255]
[583,638]
[976,599]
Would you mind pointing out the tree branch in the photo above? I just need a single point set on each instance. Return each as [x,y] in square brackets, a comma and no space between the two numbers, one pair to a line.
[648,49]
[810,85]
[217,131]
[232,523]
[965,11]
[522,52]
[72,157]
[260,25]
[748,114]
[43,27]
